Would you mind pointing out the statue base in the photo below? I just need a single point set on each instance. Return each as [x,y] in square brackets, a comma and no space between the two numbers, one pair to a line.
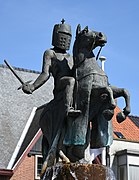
[78,172]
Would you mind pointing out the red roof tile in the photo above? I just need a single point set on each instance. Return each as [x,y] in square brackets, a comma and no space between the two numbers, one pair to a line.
[129,130]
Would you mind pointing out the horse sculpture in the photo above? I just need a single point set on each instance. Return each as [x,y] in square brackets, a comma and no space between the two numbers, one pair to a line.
[94,97]
[86,65]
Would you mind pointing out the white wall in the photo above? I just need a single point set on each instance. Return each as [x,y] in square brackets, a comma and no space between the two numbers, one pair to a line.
[119,145]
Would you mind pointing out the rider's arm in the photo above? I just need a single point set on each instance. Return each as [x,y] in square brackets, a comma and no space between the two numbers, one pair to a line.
[45,74]
[43,77]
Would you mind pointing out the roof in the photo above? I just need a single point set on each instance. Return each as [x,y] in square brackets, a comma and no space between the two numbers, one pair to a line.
[33,130]
[16,107]
[135,120]
[127,128]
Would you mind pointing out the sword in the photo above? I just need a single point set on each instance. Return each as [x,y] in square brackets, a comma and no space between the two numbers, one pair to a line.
[16,75]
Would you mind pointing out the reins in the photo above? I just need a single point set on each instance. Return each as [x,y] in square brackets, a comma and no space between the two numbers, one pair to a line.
[98,53]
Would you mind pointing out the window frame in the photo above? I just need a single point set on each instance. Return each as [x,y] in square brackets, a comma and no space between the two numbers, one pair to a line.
[36,166]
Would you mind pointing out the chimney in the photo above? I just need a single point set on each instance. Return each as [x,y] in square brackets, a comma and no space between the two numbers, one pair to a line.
[102,59]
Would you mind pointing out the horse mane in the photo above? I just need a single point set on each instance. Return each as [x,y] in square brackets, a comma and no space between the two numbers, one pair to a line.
[75,49]
[80,50]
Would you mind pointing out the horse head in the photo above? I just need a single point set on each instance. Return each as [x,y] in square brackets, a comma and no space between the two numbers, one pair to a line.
[88,39]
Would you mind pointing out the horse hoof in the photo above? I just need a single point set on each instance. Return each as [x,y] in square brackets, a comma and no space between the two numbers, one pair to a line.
[127,110]
[120,117]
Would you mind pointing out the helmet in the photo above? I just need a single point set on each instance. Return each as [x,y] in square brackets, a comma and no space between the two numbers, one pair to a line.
[62,36]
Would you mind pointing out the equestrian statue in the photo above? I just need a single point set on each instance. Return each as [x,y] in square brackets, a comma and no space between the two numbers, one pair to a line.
[80,114]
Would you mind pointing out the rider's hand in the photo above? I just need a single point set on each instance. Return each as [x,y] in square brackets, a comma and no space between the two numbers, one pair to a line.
[28,88]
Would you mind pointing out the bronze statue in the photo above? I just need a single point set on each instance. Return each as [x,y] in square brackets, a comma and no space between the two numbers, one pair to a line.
[95,97]
[82,96]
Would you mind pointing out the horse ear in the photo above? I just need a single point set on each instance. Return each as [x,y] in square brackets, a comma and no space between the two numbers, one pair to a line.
[86,29]
[78,30]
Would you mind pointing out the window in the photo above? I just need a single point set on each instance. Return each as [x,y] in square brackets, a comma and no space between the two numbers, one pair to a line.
[119,135]
[37,148]
[38,166]
[128,164]
[134,172]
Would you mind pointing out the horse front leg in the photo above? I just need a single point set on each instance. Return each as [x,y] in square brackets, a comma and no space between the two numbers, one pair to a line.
[121,92]
[112,101]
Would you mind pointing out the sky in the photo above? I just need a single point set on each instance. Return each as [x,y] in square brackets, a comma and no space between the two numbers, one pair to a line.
[26,32]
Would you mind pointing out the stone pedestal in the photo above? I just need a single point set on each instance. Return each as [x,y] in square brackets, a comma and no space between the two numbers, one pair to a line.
[78,172]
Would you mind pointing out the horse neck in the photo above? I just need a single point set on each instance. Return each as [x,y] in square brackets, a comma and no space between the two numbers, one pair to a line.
[85,51]
[80,54]
[85,54]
